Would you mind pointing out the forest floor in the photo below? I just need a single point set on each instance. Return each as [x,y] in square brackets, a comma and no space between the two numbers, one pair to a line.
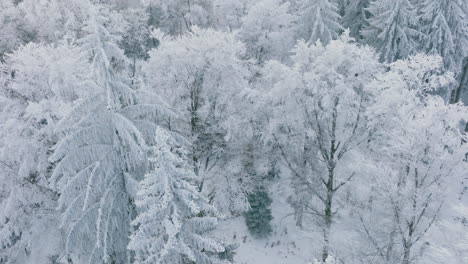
[286,245]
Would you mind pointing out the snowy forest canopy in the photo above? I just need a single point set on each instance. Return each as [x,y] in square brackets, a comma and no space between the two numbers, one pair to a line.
[234,131]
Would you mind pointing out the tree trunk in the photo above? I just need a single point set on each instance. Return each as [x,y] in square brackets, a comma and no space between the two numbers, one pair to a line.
[391,242]
[299,210]
[194,120]
[331,164]
[133,69]
[406,254]
[299,215]
[326,229]
[326,245]
[328,214]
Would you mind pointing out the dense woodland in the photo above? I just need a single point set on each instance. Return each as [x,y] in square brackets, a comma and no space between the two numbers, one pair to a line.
[146,131]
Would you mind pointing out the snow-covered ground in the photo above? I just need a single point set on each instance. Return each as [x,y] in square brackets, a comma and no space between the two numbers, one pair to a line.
[287,245]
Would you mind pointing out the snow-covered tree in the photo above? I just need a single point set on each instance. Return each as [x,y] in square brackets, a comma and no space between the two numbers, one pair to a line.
[445,25]
[102,153]
[43,21]
[228,14]
[447,239]
[267,30]
[254,163]
[173,216]
[200,75]
[369,155]
[20,23]
[137,40]
[177,17]
[9,24]
[318,122]
[392,29]
[317,20]
[341,5]
[418,150]
[38,85]
[355,17]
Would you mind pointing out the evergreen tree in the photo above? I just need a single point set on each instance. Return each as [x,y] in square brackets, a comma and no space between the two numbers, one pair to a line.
[318,20]
[392,29]
[102,153]
[259,216]
[445,24]
[137,40]
[173,216]
[355,17]
[9,23]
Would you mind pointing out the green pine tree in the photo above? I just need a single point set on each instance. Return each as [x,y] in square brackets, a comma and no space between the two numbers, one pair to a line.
[259,216]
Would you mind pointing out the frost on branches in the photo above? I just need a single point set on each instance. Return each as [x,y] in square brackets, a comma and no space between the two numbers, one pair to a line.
[40,82]
[318,105]
[201,75]
[102,154]
[318,20]
[316,128]
[267,30]
[392,29]
[173,216]
[422,153]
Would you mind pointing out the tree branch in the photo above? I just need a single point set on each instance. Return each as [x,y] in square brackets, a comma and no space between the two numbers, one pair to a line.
[344,182]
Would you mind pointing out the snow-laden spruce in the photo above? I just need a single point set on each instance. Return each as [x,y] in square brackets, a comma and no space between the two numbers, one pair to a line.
[355,17]
[102,154]
[173,216]
[445,24]
[392,29]
[318,20]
